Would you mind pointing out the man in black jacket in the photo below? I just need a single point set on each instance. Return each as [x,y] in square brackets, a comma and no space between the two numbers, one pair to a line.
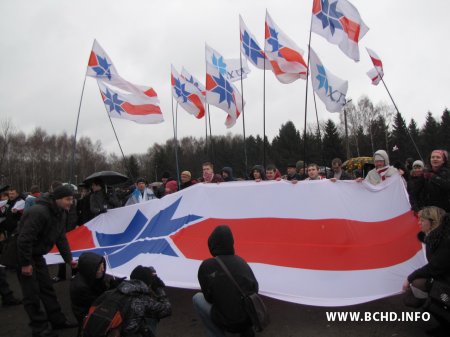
[41,227]
[219,305]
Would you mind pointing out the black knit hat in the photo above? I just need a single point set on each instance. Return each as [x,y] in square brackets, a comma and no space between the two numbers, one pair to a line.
[62,192]
[145,274]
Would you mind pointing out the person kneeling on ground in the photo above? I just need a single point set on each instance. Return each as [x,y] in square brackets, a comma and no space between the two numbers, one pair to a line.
[435,233]
[90,282]
[147,304]
[219,305]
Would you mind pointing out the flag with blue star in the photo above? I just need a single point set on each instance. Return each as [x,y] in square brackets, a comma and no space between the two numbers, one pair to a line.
[230,68]
[187,94]
[100,65]
[251,49]
[220,92]
[340,23]
[285,57]
[330,89]
[140,104]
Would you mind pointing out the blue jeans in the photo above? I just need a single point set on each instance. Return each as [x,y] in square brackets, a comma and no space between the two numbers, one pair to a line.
[203,308]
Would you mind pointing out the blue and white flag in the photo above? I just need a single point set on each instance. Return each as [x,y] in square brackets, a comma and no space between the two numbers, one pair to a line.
[331,89]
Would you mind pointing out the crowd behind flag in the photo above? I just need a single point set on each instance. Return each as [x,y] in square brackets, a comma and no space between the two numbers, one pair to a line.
[330,89]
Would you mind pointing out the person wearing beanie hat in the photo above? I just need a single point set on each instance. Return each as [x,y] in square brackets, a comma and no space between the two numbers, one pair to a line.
[141,193]
[382,169]
[171,187]
[42,226]
[147,302]
[186,180]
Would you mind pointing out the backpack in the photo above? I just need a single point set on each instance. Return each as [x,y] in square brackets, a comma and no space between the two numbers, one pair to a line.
[106,315]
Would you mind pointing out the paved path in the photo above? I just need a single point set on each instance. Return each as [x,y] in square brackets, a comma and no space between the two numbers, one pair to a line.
[288,319]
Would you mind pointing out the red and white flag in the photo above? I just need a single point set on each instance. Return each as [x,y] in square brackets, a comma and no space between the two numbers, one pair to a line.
[285,56]
[188,96]
[140,104]
[358,248]
[100,65]
[376,73]
[339,22]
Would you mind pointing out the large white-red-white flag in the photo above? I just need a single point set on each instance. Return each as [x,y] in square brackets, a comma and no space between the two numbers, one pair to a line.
[344,243]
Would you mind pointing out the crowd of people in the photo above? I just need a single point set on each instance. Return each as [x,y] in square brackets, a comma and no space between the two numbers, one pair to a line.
[38,221]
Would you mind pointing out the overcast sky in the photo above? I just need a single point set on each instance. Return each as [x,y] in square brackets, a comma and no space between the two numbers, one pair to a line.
[45,45]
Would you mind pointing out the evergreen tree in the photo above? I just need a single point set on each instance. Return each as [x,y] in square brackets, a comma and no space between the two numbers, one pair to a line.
[444,132]
[415,135]
[430,135]
[399,139]
[332,143]
[286,146]
[133,167]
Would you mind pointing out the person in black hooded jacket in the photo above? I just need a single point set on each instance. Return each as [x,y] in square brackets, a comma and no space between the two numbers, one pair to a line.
[88,284]
[219,305]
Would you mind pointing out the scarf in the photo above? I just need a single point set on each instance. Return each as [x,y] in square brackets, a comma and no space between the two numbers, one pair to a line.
[382,172]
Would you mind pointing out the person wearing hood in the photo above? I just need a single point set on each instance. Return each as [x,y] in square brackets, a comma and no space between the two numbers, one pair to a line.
[382,169]
[227,174]
[42,226]
[219,305]
[258,173]
[88,284]
[148,302]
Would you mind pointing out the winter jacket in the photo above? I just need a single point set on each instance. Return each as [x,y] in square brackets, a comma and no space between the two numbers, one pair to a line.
[344,175]
[9,225]
[187,184]
[136,196]
[227,310]
[374,177]
[431,189]
[42,226]
[100,202]
[145,303]
[85,287]
[437,248]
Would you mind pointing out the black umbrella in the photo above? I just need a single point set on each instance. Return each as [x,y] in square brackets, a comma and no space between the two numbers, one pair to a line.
[108,177]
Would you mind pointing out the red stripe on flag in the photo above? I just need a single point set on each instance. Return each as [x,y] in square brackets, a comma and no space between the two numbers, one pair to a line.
[172,80]
[210,83]
[79,238]
[292,56]
[150,93]
[328,244]
[351,28]
[92,60]
[317,6]
[144,109]
[199,105]
[376,62]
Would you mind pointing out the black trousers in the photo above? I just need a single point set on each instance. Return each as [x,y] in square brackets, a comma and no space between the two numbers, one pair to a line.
[5,291]
[36,288]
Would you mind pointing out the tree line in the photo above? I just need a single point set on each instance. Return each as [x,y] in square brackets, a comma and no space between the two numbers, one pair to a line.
[40,158]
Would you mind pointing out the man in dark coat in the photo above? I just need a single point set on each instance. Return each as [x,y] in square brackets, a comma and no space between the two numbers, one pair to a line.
[337,173]
[41,227]
[219,305]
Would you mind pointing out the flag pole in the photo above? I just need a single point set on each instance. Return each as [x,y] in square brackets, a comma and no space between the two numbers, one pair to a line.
[306,98]
[320,135]
[120,146]
[243,114]
[264,115]
[210,137]
[72,161]
[175,126]
[395,105]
